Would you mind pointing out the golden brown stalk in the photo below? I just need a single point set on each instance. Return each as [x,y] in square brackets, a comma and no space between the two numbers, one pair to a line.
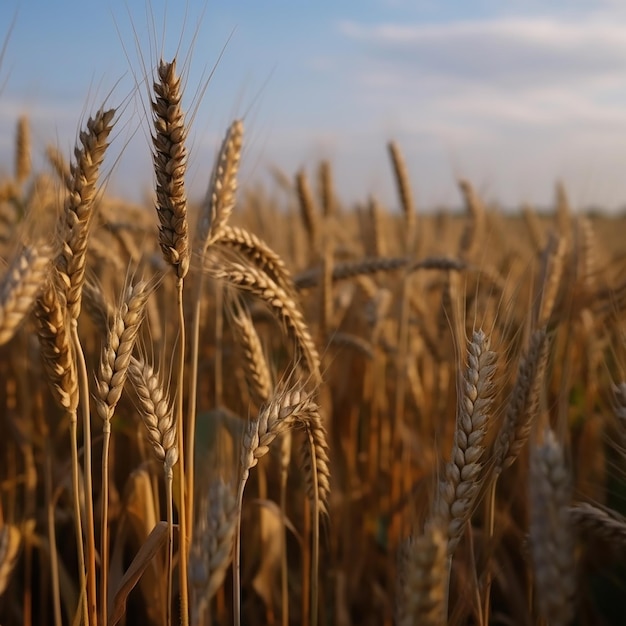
[285,308]
[378,236]
[422,576]
[22,150]
[327,193]
[79,211]
[60,364]
[307,209]
[20,286]
[170,162]
[220,199]
[463,475]
[473,233]
[551,536]
[10,541]
[214,215]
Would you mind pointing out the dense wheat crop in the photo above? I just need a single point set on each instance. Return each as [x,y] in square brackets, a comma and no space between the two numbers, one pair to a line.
[276,409]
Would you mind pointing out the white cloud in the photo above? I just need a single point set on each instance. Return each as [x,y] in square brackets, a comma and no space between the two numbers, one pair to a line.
[511,51]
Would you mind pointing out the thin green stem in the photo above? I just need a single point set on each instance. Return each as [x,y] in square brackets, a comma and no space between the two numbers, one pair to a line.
[83,385]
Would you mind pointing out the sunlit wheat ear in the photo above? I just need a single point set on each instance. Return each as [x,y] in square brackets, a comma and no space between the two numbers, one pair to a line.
[22,150]
[255,364]
[117,352]
[551,536]
[170,163]
[79,206]
[258,253]
[56,346]
[155,410]
[220,199]
[20,286]
[421,579]
[59,165]
[282,305]
[464,474]
[314,458]
[278,416]
[212,547]
[524,402]
[10,541]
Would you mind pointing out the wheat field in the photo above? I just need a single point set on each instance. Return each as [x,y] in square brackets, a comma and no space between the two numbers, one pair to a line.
[270,408]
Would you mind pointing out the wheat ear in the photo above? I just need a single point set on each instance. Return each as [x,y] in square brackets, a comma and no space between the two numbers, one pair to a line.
[214,214]
[21,286]
[285,308]
[277,417]
[170,162]
[112,374]
[463,474]
[524,402]
[212,547]
[79,210]
[220,199]
[156,413]
[254,363]
[422,576]
[60,365]
[551,536]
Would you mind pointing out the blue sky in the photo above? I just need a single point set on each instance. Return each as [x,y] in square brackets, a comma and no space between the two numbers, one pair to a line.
[511,95]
